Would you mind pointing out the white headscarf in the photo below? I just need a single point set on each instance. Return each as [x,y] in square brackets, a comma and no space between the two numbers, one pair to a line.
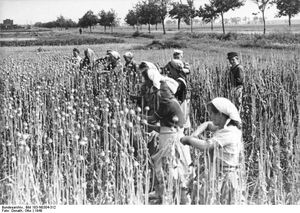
[90,54]
[228,108]
[179,52]
[155,76]
[128,55]
[114,54]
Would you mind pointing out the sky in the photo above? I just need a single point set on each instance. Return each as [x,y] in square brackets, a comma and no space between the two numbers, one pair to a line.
[32,11]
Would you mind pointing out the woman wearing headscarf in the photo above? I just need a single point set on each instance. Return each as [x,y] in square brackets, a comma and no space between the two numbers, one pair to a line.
[130,71]
[226,144]
[89,59]
[179,70]
[172,159]
[113,60]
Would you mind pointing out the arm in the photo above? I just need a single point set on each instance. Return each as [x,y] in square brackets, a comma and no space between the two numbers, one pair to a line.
[150,119]
[197,143]
[205,126]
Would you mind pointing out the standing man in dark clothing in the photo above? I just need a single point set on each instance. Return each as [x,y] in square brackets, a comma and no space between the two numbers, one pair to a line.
[236,79]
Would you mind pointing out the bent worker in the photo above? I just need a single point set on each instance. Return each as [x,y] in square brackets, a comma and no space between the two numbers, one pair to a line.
[170,151]
[89,59]
[113,60]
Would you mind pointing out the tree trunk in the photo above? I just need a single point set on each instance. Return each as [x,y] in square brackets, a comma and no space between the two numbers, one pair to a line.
[191,24]
[178,23]
[156,26]
[111,29]
[264,21]
[163,25]
[290,23]
[90,29]
[149,30]
[223,26]
[212,25]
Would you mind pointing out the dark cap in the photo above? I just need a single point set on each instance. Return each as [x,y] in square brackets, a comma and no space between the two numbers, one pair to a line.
[76,50]
[231,55]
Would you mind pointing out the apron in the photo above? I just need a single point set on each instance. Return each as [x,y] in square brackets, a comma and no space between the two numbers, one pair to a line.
[173,158]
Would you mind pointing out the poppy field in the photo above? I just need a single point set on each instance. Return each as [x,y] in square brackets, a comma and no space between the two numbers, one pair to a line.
[73,137]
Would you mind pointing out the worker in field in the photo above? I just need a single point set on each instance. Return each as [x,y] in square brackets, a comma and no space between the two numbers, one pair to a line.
[130,70]
[130,64]
[172,160]
[76,59]
[147,98]
[226,149]
[149,87]
[179,70]
[88,62]
[176,68]
[236,79]
[113,60]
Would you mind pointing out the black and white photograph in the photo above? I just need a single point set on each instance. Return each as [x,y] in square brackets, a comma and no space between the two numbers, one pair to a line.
[109,103]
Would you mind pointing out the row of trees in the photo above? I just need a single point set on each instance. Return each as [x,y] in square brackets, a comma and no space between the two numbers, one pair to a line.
[60,22]
[89,19]
[105,19]
[152,12]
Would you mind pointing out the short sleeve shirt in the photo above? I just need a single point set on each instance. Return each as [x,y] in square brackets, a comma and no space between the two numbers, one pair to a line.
[229,143]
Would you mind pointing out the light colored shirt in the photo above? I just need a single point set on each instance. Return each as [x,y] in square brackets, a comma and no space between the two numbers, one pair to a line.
[229,143]
[76,60]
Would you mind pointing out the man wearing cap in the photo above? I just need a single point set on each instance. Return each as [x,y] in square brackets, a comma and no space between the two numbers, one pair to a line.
[236,79]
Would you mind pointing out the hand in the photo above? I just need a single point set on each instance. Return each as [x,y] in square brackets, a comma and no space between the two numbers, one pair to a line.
[200,129]
[212,127]
[185,140]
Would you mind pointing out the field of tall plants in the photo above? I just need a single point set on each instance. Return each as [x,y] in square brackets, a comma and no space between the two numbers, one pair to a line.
[72,137]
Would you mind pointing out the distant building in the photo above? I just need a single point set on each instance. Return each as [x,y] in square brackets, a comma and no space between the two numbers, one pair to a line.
[8,24]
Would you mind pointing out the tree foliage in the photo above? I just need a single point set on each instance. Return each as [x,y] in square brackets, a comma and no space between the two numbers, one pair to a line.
[179,11]
[60,22]
[191,13]
[89,19]
[147,13]
[162,11]
[131,18]
[108,19]
[288,8]
[223,6]
[262,6]
[208,13]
